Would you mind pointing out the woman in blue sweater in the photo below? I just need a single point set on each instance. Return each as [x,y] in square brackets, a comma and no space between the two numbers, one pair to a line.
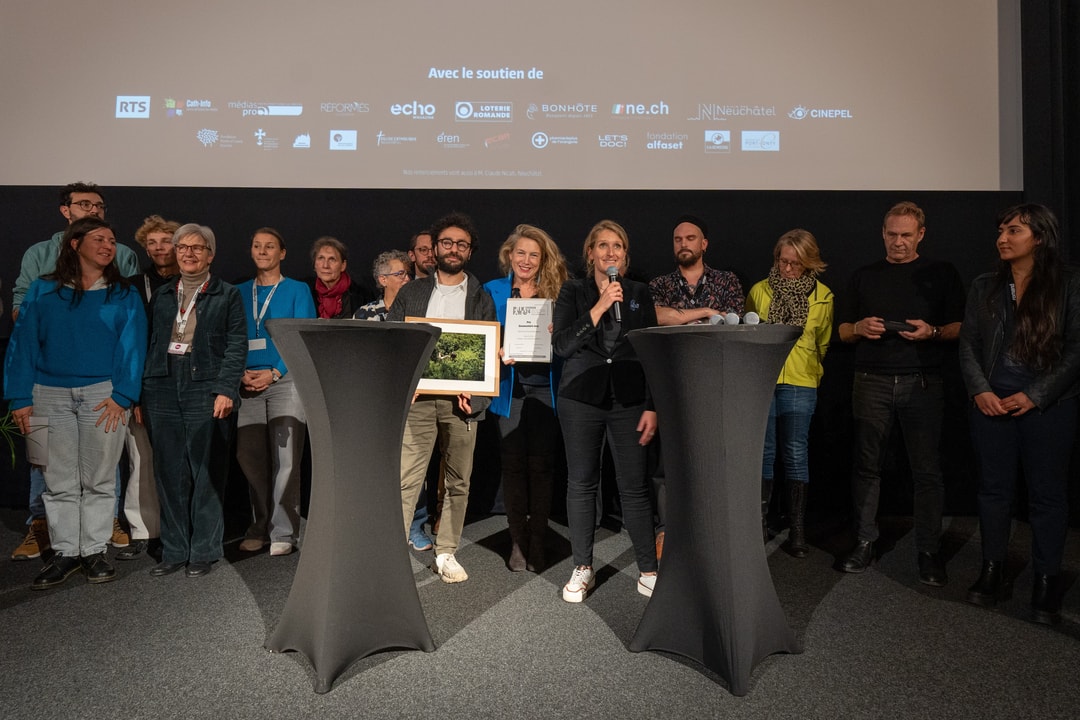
[75,362]
[272,428]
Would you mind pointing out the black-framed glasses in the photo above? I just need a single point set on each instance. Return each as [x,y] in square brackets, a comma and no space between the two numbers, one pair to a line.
[88,206]
[447,243]
[193,249]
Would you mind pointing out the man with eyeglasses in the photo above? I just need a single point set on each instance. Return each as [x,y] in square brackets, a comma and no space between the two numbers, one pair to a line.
[77,200]
[454,294]
[422,254]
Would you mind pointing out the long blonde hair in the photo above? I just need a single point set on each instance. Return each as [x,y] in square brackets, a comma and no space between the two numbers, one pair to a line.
[552,273]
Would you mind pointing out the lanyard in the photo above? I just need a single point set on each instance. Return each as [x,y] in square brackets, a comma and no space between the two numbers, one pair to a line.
[183,315]
[266,304]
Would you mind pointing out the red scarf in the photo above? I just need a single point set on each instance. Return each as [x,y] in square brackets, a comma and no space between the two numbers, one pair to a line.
[329,304]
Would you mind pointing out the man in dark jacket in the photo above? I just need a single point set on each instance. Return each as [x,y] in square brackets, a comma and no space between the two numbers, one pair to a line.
[449,293]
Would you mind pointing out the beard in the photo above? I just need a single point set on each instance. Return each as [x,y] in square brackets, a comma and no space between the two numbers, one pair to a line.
[687,258]
[450,263]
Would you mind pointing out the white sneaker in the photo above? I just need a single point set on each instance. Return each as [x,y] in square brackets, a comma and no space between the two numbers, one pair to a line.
[281,548]
[449,569]
[580,583]
[645,584]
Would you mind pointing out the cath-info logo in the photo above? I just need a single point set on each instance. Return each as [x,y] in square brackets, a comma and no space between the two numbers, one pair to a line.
[132,106]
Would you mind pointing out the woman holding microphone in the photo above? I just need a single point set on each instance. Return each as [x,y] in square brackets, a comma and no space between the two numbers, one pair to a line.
[603,394]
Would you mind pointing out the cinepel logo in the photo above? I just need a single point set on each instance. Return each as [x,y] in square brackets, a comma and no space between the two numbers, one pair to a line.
[132,106]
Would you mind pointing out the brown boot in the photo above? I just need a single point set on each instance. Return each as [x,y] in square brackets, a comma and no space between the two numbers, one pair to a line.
[36,541]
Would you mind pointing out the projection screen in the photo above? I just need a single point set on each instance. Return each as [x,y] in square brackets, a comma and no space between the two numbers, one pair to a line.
[589,94]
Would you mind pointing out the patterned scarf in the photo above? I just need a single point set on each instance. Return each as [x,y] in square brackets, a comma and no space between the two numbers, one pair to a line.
[330,298]
[790,303]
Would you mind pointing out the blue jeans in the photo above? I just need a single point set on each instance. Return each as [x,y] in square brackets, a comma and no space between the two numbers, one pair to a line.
[37,489]
[1040,442]
[80,478]
[585,428]
[917,402]
[191,462]
[789,419]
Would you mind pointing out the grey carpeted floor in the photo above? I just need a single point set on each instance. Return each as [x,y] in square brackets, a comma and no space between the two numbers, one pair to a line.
[876,645]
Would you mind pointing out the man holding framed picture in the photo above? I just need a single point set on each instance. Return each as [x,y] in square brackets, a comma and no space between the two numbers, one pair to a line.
[450,293]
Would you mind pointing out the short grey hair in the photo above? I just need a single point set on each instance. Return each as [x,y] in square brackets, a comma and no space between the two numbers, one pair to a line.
[196,229]
[382,263]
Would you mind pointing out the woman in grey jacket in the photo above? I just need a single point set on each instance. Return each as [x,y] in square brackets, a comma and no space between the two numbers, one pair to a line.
[1020,357]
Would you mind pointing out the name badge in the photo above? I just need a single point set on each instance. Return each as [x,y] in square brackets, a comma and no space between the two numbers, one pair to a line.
[257,344]
[178,348]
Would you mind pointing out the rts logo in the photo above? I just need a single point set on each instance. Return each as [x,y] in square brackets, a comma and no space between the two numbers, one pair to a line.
[132,106]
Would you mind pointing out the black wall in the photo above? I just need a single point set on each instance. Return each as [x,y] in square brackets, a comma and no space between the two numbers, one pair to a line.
[743,227]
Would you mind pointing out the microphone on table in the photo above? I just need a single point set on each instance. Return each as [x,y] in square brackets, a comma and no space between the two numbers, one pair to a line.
[750,318]
[613,276]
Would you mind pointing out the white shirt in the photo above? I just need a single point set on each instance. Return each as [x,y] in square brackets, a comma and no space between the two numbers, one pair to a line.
[448,301]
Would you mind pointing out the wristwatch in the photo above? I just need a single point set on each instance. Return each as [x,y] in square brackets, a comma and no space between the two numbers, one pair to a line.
[277,375]
[937,333]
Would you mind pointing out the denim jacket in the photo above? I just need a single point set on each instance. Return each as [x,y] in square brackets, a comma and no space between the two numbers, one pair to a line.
[219,349]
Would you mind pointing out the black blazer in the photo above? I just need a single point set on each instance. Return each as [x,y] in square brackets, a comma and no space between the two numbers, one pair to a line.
[592,374]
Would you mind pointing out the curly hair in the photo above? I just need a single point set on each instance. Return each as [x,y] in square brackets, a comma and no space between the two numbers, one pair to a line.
[154,223]
[552,273]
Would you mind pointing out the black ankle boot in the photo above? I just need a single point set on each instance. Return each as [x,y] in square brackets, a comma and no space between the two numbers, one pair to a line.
[990,587]
[796,545]
[766,495]
[1046,600]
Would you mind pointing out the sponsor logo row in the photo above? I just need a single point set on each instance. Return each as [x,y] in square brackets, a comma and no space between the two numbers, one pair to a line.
[711,141]
[478,111]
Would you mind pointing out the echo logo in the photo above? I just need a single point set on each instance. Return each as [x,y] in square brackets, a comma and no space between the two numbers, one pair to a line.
[132,106]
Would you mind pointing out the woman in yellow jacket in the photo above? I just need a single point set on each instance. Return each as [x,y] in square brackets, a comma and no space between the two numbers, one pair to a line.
[792,295]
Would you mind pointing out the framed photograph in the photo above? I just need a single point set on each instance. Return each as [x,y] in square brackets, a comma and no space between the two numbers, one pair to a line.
[465,358]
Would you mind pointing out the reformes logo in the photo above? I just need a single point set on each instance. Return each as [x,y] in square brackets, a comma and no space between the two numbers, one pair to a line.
[132,106]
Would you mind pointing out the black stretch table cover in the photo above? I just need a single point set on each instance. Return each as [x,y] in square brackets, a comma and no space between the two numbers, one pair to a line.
[354,593]
[714,600]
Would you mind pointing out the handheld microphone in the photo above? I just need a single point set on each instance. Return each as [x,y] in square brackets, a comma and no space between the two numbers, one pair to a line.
[613,276]
[731,319]
[751,318]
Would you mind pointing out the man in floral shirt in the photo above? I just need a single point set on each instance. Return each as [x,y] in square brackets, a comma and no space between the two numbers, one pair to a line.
[695,291]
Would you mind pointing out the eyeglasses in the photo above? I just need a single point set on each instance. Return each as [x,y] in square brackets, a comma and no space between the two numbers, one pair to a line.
[447,243]
[397,274]
[88,206]
[193,249]
[793,264]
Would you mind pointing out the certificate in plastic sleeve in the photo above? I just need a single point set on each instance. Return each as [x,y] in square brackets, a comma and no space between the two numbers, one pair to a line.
[528,333]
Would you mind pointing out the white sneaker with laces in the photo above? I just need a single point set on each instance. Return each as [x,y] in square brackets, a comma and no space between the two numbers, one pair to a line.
[449,569]
[580,583]
[646,584]
[281,548]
